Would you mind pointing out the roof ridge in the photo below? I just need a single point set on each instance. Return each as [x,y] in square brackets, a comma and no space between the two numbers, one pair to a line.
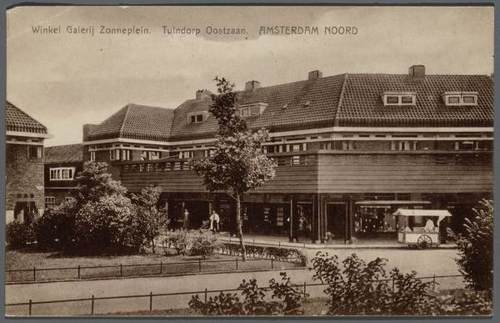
[341,96]
[120,132]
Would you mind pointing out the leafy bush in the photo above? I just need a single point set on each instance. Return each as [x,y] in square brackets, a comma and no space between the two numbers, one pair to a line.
[292,298]
[54,229]
[276,253]
[284,299]
[365,288]
[193,243]
[175,240]
[18,235]
[467,302]
[475,248]
[151,219]
[108,224]
[202,243]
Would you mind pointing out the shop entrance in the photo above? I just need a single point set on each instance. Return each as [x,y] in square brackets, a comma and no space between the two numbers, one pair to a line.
[303,220]
[336,220]
[25,212]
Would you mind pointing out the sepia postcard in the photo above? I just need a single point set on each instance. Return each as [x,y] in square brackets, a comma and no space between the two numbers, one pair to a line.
[196,161]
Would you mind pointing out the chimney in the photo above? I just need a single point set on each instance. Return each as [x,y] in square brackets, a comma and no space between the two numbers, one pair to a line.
[313,75]
[87,129]
[252,85]
[203,94]
[417,72]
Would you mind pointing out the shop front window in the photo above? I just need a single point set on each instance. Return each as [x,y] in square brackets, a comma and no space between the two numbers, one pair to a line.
[374,219]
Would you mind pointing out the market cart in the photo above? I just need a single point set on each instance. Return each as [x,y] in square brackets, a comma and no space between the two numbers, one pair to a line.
[420,228]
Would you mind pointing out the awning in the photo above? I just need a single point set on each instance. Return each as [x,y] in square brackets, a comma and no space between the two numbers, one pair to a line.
[392,202]
[441,214]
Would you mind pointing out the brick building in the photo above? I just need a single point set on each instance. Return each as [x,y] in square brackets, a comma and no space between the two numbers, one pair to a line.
[24,165]
[351,149]
[62,164]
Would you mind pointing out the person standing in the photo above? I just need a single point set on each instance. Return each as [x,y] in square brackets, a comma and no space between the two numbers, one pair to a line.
[214,221]
[186,219]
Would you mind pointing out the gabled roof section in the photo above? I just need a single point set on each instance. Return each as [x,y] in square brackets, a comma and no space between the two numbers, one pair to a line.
[64,154]
[19,121]
[135,122]
[290,106]
[361,103]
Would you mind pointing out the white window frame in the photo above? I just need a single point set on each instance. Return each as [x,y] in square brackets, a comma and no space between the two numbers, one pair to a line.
[252,109]
[125,154]
[92,156]
[193,117]
[460,96]
[399,96]
[61,173]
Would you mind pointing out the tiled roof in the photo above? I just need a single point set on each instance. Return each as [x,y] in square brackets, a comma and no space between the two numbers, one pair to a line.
[18,120]
[135,122]
[64,154]
[342,100]
[291,106]
[362,104]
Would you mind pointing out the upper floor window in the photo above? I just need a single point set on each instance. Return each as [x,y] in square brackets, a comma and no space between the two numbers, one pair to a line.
[186,154]
[35,152]
[403,145]
[114,154]
[399,98]
[153,155]
[197,117]
[92,156]
[460,98]
[61,173]
[125,154]
[252,109]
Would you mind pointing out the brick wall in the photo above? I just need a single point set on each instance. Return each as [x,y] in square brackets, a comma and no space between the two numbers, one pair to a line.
[24,179]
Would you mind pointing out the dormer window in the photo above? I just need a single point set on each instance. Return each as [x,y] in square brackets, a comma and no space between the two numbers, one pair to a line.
[399,98]
[252,109]
[197,117]
[460,98]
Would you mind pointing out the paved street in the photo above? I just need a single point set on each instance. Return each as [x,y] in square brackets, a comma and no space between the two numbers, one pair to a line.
[425,262]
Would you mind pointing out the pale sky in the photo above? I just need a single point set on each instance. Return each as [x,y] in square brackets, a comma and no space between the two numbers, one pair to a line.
[65,80]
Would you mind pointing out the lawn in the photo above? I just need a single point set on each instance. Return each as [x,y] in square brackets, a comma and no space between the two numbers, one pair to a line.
[131,265]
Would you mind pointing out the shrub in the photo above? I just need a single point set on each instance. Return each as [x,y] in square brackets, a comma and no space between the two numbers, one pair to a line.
[193,243]
[280,254]
[291,297]
[475,247]
[202,243]
[175,240]
[467,302]
[18,234]
[364,288]
[54,229]
[108,224]
[151,219]
[285,299]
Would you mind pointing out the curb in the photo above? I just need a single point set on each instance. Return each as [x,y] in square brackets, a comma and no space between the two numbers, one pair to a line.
[334,247]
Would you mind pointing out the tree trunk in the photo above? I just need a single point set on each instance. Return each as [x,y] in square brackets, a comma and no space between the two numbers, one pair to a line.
[239,226]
